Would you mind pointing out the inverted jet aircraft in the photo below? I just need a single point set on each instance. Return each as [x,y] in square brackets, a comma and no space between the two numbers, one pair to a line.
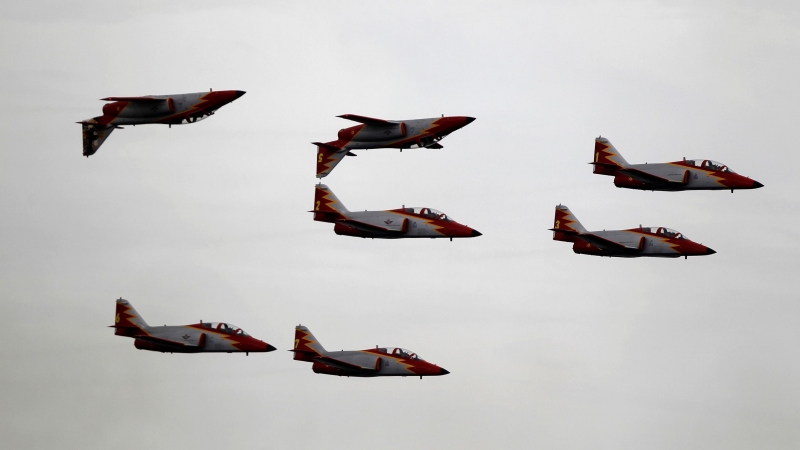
[379,133]
[373,362]
[391,224]
[164,109]
[633,243]
[197,338]
[686,175]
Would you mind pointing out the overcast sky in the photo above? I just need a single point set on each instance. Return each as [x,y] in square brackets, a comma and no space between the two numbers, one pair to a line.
[546,348]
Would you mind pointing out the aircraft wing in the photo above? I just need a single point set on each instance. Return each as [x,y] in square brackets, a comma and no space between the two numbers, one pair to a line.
[167,342]
[339,364]
[609,244]
[370,227]
[647,177]
[367,120]
[133,99]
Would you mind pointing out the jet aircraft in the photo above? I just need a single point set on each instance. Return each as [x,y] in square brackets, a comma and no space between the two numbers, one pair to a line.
[373,362]
[392,224]
[379,133]
[164,109]
[686,175]
[196,338]
[633,243]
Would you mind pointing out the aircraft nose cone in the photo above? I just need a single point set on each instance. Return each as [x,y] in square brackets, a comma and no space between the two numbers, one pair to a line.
[270,348]
[475,233]
[240,93]
[469,120]
[709,251]
[757,185]
[443,371]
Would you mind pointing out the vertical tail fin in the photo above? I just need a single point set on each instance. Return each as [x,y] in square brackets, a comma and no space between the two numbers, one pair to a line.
[306,346]
[607,159]
[328,156]
[94,134]
[566,225]
[327,207]
[127,321]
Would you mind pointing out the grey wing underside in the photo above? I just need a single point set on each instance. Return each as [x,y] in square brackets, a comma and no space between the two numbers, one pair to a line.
[649,178]
[608,244]
[342,365]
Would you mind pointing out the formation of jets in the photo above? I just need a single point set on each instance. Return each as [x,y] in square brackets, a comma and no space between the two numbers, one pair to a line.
[401,223]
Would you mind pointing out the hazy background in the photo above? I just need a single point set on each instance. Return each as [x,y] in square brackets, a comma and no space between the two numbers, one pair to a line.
[547,349]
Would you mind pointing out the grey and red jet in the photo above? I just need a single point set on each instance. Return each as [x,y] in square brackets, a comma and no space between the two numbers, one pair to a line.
[200,337]
[686,175]
[633,243]
[373,362]
[164,109]
[391,224]
[379,133]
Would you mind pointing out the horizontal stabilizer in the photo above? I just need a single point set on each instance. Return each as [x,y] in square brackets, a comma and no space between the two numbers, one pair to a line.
[133,99]
[435,145]
[367,120]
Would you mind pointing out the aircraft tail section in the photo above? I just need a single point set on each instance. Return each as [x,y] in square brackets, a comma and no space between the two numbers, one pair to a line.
[327,207]
[328,156]
[127,321]
[607,158]
[306,346]
[94,134]
[565,225]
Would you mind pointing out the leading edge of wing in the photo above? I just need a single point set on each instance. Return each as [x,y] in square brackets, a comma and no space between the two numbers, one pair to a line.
[133,99]
[366,120]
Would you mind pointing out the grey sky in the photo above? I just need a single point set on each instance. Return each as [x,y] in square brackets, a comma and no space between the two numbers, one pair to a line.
[547,349]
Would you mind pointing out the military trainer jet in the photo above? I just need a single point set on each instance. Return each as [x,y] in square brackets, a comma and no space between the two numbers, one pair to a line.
[633,243]
[391,224]
[379,133]
[164,109]
[197,338]
[373,362]
[686,175]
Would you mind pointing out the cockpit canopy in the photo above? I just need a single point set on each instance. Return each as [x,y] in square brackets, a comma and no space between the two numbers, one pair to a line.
[429,213]
[222,327]
[709,165]
[399,352]
[664,231]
